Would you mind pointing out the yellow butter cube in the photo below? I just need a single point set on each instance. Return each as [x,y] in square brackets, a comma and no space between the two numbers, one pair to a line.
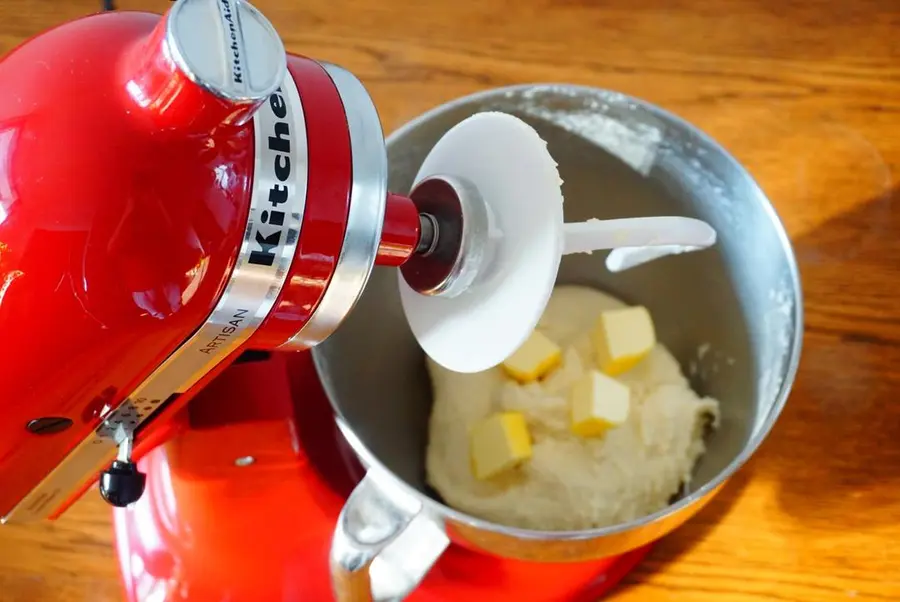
[498,443]
[598,403]
[622,338]
[534,359]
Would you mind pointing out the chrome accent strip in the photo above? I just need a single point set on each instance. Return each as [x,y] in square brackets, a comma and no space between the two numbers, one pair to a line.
[277,204]
[368,200]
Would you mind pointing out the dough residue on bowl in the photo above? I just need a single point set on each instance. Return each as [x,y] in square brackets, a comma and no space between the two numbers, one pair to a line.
[570,483]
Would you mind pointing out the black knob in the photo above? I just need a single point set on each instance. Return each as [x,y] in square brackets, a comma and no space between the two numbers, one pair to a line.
[122,484]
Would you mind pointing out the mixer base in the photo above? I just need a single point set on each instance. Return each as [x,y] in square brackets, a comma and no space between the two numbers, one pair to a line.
[241,503]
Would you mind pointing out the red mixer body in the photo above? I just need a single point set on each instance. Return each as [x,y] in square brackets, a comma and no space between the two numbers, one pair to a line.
[135,204]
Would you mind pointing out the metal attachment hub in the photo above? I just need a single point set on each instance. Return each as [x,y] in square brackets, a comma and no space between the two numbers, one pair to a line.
[453,243]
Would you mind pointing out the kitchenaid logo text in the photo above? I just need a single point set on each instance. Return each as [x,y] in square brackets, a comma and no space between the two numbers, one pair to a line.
[270,232]
[227,13]
[225,333]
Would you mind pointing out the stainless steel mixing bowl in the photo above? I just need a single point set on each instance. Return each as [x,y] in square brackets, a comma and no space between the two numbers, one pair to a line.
[731,315]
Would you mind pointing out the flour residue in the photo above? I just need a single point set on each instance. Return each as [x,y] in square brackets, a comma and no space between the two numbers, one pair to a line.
[627,130]
[686,159]
[634,142]
[778,328]
[707,362]
[635,145]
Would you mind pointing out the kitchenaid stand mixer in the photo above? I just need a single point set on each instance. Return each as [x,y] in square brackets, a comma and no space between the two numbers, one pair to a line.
[180,196]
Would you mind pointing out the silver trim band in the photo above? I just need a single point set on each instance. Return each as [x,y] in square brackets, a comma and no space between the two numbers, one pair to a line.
[368,200]
[277,204]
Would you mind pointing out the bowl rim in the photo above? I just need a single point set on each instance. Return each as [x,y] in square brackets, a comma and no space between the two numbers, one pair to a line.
[765,426]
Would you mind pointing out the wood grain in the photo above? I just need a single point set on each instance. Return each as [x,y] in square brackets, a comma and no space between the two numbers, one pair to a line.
[807,95]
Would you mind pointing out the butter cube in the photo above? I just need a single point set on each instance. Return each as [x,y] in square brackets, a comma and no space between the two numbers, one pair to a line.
[498,443]
[622,338]
[598,403]
[534,359]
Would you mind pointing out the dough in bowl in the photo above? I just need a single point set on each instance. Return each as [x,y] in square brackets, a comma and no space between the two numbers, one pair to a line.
[570,483]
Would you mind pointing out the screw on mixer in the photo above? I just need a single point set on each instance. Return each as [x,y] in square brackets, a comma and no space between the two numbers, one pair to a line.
[49,425]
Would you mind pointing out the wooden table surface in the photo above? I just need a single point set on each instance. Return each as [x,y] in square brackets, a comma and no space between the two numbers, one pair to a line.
[807,95]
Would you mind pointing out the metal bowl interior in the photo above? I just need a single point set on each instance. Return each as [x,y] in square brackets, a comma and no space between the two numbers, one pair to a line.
[731,315]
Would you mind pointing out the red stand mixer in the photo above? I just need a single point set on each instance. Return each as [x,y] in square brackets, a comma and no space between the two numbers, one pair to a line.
[185,211]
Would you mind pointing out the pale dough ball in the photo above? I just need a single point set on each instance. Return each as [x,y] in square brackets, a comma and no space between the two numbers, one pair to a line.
[570,483]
